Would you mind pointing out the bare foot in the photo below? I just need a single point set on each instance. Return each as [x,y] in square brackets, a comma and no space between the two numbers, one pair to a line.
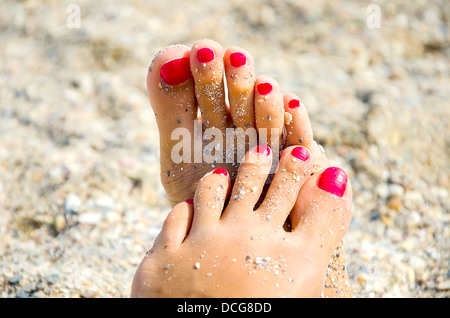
[182,81]
[299,131]
[208,250]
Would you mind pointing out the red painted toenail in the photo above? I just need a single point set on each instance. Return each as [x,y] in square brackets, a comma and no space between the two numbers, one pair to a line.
[263,150]
[301,153]
[237,59]
[333,180]
[264,88]
[190,201]
[205,55]
[294,103]
[176,71]
[221,171]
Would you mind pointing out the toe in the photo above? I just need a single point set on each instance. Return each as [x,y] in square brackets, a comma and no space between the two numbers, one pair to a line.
[240,76]
[210,197]
[206,59]
[294,169]
[322,213]
[176,226]
[299,130]
[269,112]
[171,93]
[250,180]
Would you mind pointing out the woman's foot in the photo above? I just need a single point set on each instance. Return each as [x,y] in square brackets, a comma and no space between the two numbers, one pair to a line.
[213,247]
[182,80]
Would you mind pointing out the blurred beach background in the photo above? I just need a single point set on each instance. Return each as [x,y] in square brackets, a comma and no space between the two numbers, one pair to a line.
[80,193]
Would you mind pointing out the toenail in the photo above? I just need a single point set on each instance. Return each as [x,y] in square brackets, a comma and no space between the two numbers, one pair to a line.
[221,171]
[264,88]
[333,180]
[205,55]
[301,153]
[190,201]
[237,59]
[263,150]
[176,71]
[294,103]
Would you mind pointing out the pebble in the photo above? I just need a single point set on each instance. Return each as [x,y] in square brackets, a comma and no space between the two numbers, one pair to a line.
[104,204]
[15,280]
[72,203]
[52,278]
[394,202]
[92,218]
[444,286]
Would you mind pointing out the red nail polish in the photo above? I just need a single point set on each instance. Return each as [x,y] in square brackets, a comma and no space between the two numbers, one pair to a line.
[205,55]
[190,201]
[237,59]
[263,150]
[301,153]
[176,71]
[294,103]
[221,171]
[333,180]
[264,88]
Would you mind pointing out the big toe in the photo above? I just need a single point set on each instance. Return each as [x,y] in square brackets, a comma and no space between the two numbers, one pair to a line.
[323,210]
[171,91]
[170,88]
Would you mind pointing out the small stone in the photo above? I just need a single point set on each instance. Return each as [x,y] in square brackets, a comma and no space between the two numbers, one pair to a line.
[15,280]
[407,245]
[445,285]
[104,204]
[52,278]
[72,204]
[90,218]
[23,294]
[396,190]
[362,279]
[394,202]
[59,222]
[382,190]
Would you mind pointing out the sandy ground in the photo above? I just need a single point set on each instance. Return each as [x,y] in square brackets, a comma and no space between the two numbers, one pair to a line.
[80,196]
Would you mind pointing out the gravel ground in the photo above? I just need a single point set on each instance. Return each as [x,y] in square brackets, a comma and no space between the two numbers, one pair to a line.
[80,196]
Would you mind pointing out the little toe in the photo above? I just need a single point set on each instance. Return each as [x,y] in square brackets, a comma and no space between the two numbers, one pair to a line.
[294,169]
[210,196]
[269,112]
[299,130]
[208,69]
[323,210]
[250,180]
[176,226]
[240,76]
